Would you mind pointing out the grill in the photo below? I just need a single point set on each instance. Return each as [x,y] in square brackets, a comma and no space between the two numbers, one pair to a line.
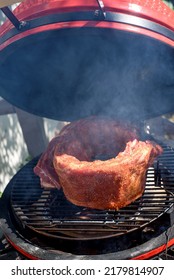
[103,60]
[47,215]
[41,223]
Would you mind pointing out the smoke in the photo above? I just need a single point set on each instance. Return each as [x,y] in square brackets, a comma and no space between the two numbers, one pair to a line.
[70,74]
[126,76]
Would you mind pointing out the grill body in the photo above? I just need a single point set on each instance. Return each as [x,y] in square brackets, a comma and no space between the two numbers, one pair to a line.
[43,221]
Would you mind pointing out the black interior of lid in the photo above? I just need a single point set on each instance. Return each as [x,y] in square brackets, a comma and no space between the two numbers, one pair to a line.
[72,73]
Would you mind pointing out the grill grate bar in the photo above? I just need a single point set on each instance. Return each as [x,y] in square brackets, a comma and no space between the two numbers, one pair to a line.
[88,221]
[83,217]
[161,199]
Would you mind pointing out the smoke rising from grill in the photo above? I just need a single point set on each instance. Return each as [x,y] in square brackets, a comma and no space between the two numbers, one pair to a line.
[69,74]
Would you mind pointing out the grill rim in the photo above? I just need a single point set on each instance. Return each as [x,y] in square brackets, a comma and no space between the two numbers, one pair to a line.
[128,19]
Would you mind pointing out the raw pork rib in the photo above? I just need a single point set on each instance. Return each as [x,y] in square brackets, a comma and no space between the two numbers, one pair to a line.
[70,162]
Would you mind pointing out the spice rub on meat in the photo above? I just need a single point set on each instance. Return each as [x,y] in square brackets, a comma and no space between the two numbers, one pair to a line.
[72,162]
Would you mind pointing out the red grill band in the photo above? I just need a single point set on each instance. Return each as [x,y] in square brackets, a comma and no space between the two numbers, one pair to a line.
[86,19]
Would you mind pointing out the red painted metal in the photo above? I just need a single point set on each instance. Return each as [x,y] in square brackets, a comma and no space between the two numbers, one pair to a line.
[148,255]
[154,10]
[155,251]
[21,251]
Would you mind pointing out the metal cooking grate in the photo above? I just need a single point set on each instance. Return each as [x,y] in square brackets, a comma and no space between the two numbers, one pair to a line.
[50,214]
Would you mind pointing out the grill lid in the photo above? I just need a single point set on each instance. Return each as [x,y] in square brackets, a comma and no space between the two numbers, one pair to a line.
[71,59]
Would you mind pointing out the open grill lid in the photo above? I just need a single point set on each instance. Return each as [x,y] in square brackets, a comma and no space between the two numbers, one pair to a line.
[70,59]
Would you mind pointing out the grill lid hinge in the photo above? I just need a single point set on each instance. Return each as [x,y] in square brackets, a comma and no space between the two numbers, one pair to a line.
[100,14]
[19,25]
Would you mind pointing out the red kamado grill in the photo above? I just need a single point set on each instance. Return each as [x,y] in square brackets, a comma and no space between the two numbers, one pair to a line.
[67,60]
